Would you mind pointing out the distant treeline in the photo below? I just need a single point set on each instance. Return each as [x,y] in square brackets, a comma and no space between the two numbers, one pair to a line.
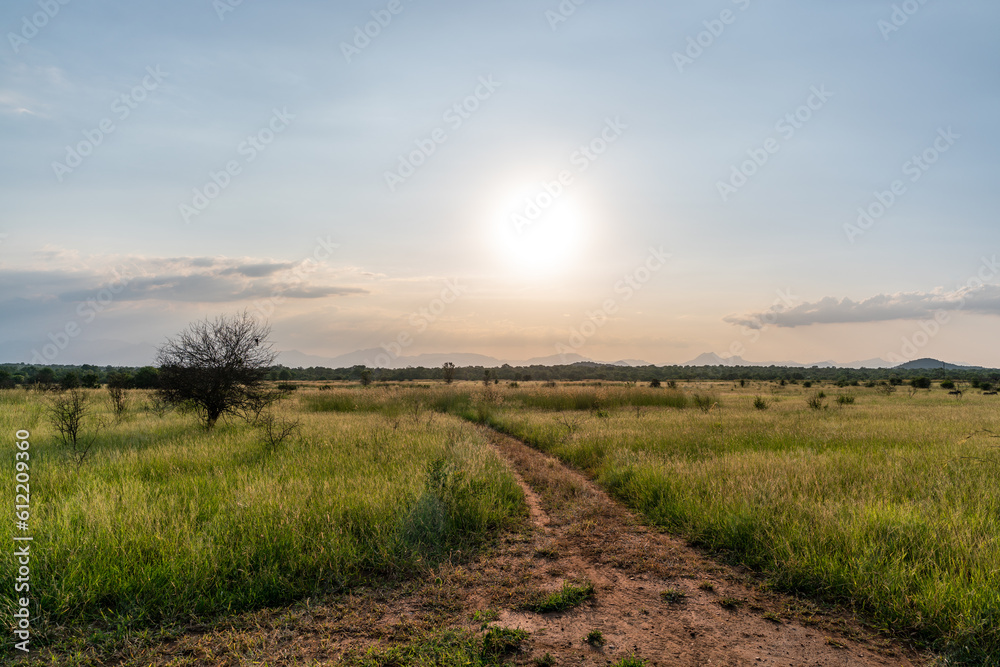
[146,377]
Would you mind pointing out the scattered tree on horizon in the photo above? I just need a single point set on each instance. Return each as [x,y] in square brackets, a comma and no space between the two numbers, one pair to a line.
[218,367]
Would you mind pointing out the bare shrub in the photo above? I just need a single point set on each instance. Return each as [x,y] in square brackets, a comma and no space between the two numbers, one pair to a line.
[277,429]
[68,413]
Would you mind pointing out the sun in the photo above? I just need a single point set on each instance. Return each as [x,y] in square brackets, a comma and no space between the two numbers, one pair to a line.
[537,233]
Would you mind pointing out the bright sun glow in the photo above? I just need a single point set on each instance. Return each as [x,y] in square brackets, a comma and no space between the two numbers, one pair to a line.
[538,233]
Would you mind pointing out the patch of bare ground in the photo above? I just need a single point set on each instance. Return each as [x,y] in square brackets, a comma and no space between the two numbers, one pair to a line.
[654,597]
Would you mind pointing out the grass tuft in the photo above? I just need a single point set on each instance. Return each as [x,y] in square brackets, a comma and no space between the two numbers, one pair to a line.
[567,597]
[673,595]
[503,641]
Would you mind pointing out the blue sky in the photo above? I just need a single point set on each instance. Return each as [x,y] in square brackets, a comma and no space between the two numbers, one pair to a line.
[309,134]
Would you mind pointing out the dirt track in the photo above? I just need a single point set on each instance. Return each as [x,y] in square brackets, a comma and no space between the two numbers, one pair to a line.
[630,566]
[576,533]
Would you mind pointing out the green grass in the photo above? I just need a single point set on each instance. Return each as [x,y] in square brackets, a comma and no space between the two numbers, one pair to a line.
[544,660]
[888,505]
[499,642]
[167,523]
[890,508]
[447,648]
[567,597]
[468,399]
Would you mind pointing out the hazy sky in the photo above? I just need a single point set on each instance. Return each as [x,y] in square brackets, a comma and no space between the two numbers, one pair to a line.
[637,179]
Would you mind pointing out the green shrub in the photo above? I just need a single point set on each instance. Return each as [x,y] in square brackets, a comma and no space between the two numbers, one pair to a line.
[704,403]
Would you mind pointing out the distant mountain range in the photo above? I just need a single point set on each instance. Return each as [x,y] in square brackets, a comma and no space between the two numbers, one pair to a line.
[712,359]
[928,363]
[378,357]
[119,353]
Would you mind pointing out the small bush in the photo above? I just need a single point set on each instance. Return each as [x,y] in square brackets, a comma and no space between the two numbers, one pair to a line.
[845,400]
[760,403]
[157,406]
[921,383]
[276,430]
[704,403]
[947,384]
[816,402]
[595,638]
[654,383]
[885,388]
[118,386]
[807,384]
[68,413]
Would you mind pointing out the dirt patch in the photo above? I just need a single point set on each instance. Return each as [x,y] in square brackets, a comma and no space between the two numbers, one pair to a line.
[654,597]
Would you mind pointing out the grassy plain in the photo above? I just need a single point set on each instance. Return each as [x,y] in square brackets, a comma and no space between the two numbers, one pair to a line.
[165,523]
[888,504]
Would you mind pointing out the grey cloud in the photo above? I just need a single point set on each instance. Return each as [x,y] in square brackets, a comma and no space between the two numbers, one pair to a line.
[259,270]
[984,299]
[191,280]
